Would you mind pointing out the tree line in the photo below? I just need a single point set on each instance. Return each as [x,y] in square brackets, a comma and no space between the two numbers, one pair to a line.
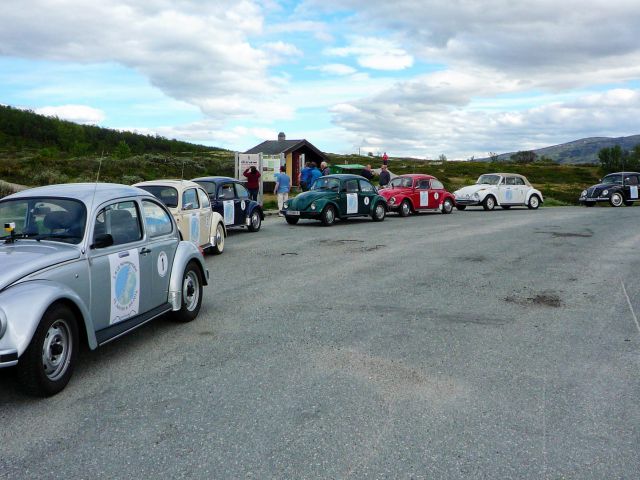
[25,129]
[616,159]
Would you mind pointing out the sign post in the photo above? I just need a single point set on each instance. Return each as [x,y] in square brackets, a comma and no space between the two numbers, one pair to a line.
[247,160]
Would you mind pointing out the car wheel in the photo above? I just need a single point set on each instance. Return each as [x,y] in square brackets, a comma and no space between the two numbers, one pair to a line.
[616,199]
[534,202]
[47,364]
[447,206]
[506,207]
[255,222]
[191,294]
[489,203]
[379,212]
[218,240]
[461,207]
[628,203]
[328,215]
[291,220]
[405,209]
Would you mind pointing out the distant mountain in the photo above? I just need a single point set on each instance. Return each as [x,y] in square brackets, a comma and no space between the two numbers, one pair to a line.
[584,150]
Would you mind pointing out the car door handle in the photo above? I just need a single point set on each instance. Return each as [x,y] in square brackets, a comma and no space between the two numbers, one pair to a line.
[145,251]
[123,254]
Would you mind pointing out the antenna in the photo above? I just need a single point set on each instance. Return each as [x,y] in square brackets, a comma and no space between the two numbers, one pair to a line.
[95,187]
[182,172]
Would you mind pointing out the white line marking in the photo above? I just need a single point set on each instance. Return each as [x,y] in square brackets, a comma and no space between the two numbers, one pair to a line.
[630,306]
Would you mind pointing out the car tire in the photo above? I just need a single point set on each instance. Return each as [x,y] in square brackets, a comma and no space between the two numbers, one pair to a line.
[505,207]
[405,208]
[379,212]
[461,207]
[616,199]
[328,216]
[447,206]
[628,203]
[534,202]
[489,203]
[219,240]
[291,220]
[191,294]
[255,222]
[47,364]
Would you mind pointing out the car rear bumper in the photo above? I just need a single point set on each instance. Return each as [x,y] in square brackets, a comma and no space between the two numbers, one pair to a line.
[8,358]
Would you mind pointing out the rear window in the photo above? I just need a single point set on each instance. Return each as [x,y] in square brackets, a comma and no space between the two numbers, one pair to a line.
[167,195]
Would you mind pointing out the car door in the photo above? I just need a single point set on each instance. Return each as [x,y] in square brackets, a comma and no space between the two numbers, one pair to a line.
[520,190]
[191,216]
[242,204]
[225,203]
[118,291]
[420,195]
[366,197]
[436,194]
[162,243]
[351,191]
[631,187]
[206,215]
[505,190]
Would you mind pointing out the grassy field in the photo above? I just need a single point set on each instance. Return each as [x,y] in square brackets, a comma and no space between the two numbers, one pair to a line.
[560,184]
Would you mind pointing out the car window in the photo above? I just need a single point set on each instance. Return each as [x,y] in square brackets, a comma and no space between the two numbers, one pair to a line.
[422,184]
[190,199]
[204,199]
[157,219]
[167,195]
[365,186]
[613,178]
[226,192]
[510,180]
[351,186]
[242,191]
[210,187]
[518,181]
[631,180]
[437,184]
[120,220]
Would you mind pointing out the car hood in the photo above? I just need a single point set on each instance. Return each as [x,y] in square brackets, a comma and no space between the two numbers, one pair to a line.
[27,256]
[303,200]
[471,189]
[606,185]
[387,193]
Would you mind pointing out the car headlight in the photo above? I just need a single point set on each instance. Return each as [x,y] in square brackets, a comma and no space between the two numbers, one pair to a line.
[476,196]
[285,205]
[3,322]
[584,193]
[605,193]
[392,200]
[313,205]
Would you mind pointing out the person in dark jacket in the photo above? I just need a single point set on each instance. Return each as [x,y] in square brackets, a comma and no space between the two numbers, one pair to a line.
[315,173]
[253,182]
[305,177]
[324,168]
[367,173]
[385,176]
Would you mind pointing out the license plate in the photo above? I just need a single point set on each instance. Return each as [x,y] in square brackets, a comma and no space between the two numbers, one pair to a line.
[293,212]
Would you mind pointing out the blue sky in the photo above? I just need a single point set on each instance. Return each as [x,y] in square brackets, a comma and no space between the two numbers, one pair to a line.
[412,77]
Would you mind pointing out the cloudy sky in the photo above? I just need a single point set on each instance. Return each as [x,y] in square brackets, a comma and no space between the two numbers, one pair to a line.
[410,77]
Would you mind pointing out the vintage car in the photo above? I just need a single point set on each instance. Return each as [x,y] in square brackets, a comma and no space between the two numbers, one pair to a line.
[504,189]
[87,263]
[230,198]
[414,193]
[616,188]
[191,208]
[336,196]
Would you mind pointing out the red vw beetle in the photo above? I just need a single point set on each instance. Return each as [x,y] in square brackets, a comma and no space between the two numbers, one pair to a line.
[413,193]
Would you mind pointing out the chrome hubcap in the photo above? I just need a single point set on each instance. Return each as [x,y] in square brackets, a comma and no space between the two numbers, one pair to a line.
[616,200]
[219,238]
[56,350]
[255,219]
[490,203]
[330,215]
[405,208]
[379,211]
[534,202]
[190,290]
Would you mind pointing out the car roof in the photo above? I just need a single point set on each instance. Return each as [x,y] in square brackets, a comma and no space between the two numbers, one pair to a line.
[510,175]
[88,193]
[345,176]
[168,183]
[622,173]
[416,175]
[216,179]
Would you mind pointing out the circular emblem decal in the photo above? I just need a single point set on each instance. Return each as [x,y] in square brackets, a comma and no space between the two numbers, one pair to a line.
[436,195]
[366,200]
[126,277]
[163,264]
[242,205]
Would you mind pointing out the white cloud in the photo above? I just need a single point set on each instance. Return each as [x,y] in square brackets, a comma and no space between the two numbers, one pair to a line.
[339,69]
[281,52]
[374,53]
[74,113]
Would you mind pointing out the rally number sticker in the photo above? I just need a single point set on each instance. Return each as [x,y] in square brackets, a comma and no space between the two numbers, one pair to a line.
[424,199]
[366,200]
[352,203]
[229,212]
[194,228]
[634,191]
[243,205]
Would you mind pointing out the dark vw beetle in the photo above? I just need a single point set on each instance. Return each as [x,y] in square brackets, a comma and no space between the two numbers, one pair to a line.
[616,188]
[230,198]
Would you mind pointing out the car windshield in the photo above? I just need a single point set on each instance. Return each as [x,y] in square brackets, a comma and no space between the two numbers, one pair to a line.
[324,183]
[167,195]
[399,182]
[56,219]
[488,180]
[616,178]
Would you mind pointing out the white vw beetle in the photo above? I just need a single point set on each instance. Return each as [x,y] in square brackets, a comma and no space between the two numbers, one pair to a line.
[504,189]
[190,206]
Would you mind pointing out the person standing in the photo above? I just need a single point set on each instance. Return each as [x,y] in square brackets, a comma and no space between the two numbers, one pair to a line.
[283,185]
[315,173]
[385,159]
[305,177]
[253,182]
[325,169]
[385,176]
[367,173]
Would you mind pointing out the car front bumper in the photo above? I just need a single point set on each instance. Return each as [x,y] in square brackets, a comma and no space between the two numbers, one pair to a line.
[467,201]
[8,358]
[584,200]
[301,214]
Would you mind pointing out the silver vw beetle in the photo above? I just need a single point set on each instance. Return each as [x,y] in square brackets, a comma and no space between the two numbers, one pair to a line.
[86,263]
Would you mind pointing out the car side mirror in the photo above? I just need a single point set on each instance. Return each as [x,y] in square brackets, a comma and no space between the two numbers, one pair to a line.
[103,240]
[188,206]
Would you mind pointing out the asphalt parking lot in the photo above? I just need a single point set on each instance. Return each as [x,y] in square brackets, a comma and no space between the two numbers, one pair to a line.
[480,344]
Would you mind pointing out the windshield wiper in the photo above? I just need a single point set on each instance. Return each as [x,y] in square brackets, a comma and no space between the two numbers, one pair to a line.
[46,236]
[17,236]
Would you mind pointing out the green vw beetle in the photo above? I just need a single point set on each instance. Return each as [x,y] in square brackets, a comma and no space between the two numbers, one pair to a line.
[337,196]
